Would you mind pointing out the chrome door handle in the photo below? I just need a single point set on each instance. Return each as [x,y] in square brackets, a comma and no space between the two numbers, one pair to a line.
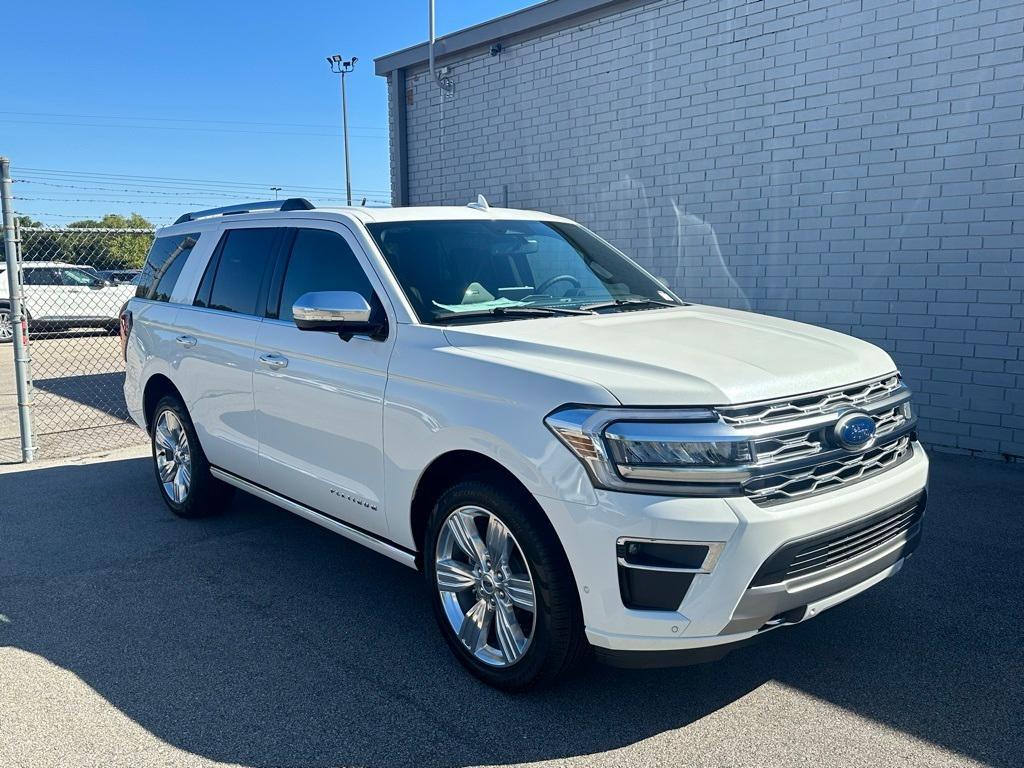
[187,341]
[274,362]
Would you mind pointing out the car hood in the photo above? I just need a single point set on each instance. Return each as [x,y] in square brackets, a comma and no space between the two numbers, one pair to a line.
[691,355]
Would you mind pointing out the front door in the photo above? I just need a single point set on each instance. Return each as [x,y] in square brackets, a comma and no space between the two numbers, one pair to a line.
[89,297]
[319,399]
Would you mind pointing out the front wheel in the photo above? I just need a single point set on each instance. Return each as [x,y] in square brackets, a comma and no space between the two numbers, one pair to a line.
[501,587]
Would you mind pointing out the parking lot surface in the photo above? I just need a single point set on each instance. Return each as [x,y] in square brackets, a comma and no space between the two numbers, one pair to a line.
[78,402]
[131,638]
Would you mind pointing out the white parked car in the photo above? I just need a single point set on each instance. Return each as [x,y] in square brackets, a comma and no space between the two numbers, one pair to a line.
[58,295]
[575,457]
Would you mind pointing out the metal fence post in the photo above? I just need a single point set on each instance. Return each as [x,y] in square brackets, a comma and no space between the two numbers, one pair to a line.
[20,327]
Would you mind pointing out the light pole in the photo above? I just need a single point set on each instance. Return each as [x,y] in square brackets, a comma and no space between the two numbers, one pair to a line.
[342,67]
[275,190]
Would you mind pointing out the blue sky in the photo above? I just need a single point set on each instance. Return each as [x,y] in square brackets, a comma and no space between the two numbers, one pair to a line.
[234,93]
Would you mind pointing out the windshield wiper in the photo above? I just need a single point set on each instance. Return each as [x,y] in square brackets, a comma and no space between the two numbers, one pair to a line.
[628,303]
[523,311]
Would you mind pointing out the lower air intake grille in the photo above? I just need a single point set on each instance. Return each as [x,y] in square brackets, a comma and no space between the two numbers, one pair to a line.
[825,550]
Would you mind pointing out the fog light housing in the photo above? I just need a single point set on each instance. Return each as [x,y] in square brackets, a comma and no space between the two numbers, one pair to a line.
[655,575]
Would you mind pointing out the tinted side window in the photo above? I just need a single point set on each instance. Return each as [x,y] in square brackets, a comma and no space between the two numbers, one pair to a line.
[166,258]
[40,276]
[244,258]
[321,261]
[77,277]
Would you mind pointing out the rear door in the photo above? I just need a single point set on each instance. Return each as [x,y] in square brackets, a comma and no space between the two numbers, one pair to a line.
[45,297]
[216,339]
[319,399]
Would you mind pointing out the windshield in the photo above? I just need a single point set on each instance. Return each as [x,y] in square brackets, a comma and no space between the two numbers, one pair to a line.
[489,268]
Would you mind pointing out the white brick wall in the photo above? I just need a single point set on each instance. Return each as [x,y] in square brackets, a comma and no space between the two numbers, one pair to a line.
[851,163]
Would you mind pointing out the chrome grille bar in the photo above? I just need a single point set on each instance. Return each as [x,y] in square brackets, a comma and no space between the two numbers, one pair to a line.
[790,409]
[828,474]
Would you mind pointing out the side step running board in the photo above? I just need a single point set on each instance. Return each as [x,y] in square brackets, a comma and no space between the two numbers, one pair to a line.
[367,540]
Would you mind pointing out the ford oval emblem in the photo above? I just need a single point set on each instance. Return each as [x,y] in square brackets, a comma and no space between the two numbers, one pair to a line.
[855,431]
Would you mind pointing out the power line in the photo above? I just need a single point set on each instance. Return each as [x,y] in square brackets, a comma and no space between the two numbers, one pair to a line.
[82,216]
[186,189]
[176,203]
[171,180]
[105,186]
[187,120]
[185,128]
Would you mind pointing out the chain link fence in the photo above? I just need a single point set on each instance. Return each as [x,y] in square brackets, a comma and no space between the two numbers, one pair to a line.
[73,283]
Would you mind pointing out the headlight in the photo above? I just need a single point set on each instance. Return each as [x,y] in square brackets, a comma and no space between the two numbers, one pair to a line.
[681,451]
[667,444]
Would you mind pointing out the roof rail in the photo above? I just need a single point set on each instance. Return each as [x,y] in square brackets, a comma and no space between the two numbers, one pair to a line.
[291,204]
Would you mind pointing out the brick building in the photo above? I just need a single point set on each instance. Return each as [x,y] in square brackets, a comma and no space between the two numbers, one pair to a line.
[856,164]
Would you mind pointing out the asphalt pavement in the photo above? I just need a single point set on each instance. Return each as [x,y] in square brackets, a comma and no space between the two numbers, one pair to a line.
[129,637]
[77,400]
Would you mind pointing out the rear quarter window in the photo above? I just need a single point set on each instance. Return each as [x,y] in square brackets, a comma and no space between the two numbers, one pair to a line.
[164,263]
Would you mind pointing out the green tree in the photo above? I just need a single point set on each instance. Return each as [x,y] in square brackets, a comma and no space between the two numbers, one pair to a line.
[75,244]
[20,222]
[111,250]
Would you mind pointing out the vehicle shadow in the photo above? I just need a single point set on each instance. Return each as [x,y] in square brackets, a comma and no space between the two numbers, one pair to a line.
[257,638]
[103,392]
[42,332]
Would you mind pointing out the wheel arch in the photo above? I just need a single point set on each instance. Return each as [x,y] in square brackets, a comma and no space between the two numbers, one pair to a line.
[6,303]
[157,386]
[449,468]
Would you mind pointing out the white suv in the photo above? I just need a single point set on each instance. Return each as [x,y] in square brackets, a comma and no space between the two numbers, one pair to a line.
[576,458]
[58,295]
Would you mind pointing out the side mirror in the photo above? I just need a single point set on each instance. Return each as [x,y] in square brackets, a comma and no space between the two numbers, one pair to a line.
[343,312]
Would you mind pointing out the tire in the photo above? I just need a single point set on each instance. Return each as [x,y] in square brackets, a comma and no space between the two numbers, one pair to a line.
[554,638]
[201,494]
[6,325]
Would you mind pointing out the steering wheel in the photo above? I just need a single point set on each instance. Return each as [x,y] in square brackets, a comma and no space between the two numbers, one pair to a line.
[543,287]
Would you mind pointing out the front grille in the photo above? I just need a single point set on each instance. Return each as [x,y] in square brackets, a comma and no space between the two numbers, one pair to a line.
[791,409]
[822,551]
[796,451]
[794,445]
[784,486]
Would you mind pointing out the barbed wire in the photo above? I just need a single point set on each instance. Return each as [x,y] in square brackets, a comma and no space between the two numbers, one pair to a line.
[175,181]
[142,190]
[175,203]
[83,216]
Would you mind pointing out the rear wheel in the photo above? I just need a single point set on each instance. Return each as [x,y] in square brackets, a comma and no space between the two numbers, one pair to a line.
[501,587]
[6,325]
[182,471]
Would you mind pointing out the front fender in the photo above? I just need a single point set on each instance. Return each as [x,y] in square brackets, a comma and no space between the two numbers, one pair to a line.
[441,399]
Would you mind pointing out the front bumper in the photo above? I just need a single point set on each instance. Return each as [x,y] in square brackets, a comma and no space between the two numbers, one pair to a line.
[742,596]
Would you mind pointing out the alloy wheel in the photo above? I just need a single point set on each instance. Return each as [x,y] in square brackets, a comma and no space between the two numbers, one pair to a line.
[485,586]
[6,326]
[173,456]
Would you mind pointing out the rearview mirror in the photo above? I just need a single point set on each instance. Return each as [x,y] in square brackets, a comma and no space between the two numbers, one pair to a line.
[343,312]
